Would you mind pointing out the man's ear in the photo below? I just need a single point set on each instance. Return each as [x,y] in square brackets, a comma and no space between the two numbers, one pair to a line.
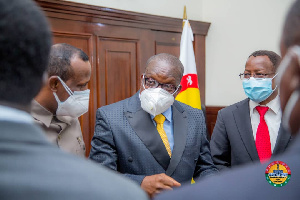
[53,83]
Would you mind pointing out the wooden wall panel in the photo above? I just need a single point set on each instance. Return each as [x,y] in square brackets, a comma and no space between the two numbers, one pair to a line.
[118,67]
[118,43]
[199,46]
[167,43]
[211,117]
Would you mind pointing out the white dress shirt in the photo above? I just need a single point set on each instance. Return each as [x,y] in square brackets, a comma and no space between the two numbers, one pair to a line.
[272,118]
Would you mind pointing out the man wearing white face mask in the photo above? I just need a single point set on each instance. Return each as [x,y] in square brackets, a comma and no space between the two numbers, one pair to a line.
[249,130]
[64,98]
[151,138]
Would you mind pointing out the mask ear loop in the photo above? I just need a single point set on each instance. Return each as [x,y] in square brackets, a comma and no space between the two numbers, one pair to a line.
[275,81]
[176,89]
[65,86]
[56,97]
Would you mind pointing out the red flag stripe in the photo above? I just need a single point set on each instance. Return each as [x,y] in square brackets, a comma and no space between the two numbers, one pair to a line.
[189,81]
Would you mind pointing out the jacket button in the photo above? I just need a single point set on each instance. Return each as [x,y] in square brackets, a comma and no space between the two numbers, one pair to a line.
[130,159]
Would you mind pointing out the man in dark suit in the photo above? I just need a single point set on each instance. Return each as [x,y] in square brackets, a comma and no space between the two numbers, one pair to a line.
[129,138]
[249,182]
[30,166]
[249,130]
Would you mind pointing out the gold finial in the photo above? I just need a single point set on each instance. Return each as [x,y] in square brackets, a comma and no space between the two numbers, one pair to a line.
[184,16]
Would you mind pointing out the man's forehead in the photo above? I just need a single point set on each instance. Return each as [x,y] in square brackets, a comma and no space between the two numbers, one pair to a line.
[80,69]
[259,62]
[78,64]
[160,66]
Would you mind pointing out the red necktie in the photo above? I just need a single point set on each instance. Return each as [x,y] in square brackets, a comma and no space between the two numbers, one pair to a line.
[262,142]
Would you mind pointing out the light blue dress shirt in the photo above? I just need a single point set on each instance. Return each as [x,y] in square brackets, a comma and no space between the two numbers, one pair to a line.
[168,126]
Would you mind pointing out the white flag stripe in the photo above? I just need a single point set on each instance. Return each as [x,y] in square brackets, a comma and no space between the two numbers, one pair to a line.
[187,56]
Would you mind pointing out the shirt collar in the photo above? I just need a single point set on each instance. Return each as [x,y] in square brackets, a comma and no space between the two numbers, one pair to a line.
[273,105]
[45,116]
[40,113]
[167,114]
[14,115]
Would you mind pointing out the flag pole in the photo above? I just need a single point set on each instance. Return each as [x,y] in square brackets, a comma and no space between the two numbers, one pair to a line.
[189,93]
[184,16]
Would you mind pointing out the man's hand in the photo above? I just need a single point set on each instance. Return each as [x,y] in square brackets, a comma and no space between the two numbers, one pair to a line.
[156,183]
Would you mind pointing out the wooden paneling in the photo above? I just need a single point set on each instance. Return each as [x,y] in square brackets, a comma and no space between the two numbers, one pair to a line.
[117,62]
[118,44]
[211,117]
[199,46]
[167,43]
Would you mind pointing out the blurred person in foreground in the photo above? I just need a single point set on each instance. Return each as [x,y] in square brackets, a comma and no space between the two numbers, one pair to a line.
[30,166]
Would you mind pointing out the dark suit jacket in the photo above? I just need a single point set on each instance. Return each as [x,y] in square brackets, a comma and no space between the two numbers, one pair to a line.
[32,168]
[232,141]
[126,140]
[246,182]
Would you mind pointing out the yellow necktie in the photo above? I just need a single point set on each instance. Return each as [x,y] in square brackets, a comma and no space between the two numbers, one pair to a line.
[159,119]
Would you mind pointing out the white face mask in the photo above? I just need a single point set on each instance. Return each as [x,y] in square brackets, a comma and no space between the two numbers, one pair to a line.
[156,100]
[76,105]
[296,94]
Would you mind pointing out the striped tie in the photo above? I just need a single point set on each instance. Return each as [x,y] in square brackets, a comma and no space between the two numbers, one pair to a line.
[159,119]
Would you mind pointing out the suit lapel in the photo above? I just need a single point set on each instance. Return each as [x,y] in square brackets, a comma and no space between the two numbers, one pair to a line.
[143,126]
[282,141]
[180,133]
[243,123]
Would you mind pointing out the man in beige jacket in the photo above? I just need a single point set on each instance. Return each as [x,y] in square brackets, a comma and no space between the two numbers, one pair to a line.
[64,98]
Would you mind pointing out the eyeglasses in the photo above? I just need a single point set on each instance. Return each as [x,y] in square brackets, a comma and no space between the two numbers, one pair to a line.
[254,75]
[152,83]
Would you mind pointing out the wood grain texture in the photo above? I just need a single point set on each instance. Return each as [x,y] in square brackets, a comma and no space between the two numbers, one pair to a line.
[211,117]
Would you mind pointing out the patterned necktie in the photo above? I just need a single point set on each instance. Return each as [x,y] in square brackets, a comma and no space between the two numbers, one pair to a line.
[262,142]
[159,119]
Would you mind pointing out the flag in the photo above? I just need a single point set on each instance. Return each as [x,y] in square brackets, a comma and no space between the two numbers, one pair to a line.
[189,93]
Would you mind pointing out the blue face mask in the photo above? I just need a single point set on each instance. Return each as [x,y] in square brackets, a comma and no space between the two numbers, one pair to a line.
[258,89]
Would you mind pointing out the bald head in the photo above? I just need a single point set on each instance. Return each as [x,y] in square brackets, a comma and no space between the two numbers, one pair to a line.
[167,64]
